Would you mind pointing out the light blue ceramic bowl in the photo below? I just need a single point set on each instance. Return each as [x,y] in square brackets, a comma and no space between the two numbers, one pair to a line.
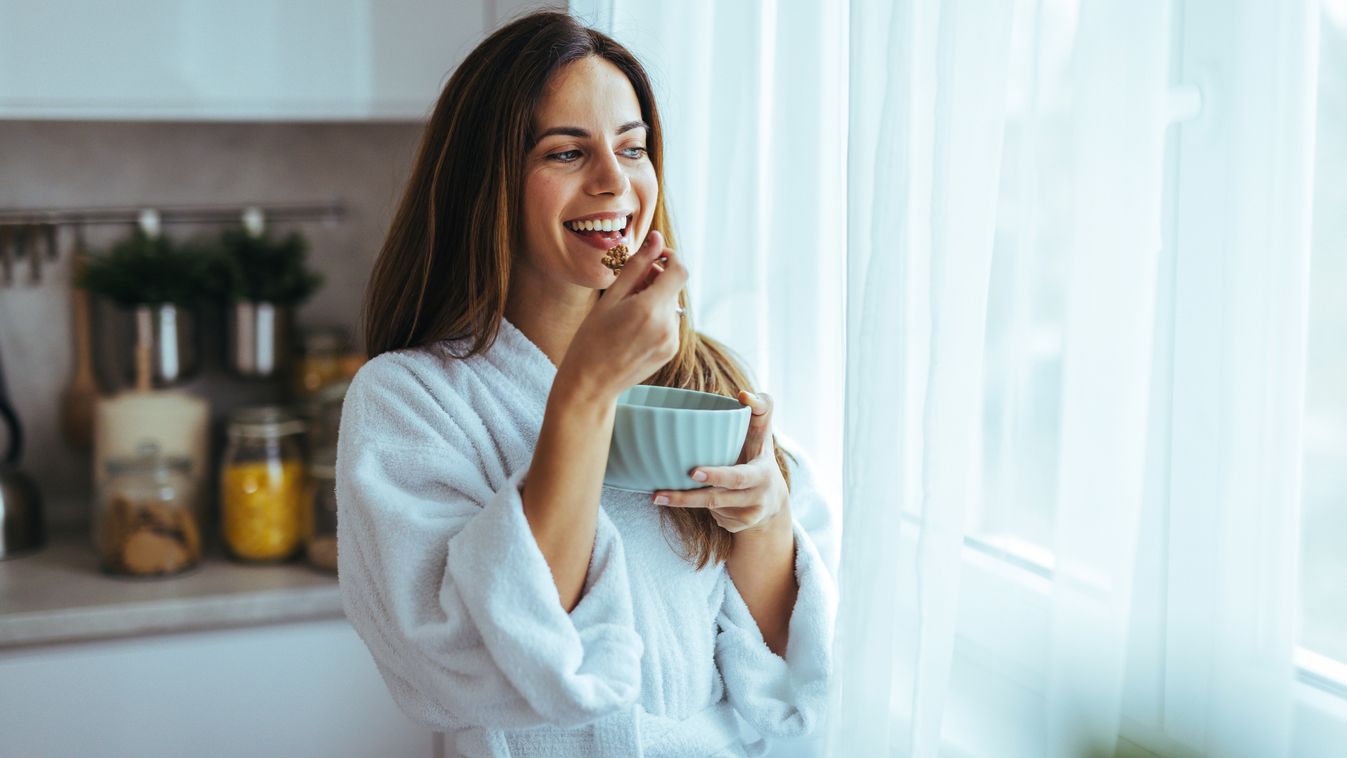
[660,434]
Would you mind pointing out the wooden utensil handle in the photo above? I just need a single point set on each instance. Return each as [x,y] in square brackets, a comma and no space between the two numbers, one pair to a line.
[79,302]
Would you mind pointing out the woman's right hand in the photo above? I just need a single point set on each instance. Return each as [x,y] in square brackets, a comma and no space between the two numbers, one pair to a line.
[633,329]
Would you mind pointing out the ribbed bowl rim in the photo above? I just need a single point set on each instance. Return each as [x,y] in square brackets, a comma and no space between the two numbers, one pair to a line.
[731,403]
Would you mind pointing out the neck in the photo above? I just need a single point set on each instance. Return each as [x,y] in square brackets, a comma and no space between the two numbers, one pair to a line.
[549,316]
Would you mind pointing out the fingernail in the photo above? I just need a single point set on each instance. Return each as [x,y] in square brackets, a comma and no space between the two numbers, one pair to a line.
[699,476]
[661,500]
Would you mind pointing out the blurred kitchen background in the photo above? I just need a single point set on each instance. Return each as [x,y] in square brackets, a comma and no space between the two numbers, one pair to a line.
[357,166]
[126,123]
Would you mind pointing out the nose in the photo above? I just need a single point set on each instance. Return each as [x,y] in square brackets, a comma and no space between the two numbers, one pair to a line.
[607,176]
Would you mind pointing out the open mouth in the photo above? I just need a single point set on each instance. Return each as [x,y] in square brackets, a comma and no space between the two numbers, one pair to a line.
[602,234]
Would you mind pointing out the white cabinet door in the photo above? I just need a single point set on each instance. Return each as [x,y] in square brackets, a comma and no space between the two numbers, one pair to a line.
[288,690]
[235,59]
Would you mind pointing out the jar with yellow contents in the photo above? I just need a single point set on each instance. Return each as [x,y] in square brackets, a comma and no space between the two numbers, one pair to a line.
[262,485]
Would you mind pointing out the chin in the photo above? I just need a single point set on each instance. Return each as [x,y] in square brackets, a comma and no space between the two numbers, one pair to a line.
[602,281]
[584,274]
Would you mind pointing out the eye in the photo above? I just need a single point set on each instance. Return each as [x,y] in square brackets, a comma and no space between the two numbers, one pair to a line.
[565,156]
[634,152]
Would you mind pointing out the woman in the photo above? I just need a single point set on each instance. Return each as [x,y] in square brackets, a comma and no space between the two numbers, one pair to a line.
[507,596]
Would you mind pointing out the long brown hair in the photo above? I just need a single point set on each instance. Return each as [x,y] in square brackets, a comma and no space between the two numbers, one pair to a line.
[444,270]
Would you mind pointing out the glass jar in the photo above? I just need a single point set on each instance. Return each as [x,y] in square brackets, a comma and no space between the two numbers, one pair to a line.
[144,522]
[320,359]
[322,415]
[262,483]
[321,530]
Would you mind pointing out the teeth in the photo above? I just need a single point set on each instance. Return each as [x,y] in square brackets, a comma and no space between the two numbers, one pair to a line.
[606,225]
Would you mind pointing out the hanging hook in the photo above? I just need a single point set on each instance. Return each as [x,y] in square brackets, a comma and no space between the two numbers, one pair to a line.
[254,221]
[150,223]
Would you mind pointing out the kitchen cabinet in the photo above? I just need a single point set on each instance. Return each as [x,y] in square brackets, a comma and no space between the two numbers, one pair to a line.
[306,688]
[226,659]
[291,60]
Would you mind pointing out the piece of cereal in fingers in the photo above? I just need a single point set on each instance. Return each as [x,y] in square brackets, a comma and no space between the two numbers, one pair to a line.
[616,258]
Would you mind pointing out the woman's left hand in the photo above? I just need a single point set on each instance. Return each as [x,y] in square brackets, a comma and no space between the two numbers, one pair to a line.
[749,496]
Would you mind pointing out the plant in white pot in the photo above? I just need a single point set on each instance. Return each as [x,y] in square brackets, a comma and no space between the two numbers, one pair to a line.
[152,286]
[262,280]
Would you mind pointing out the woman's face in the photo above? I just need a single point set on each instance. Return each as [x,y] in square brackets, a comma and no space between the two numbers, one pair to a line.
[589,164]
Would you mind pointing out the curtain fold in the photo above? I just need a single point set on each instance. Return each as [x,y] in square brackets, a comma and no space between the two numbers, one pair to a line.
[962,104]
[1119,115]
[1233,599]
[882,300]
[925,152]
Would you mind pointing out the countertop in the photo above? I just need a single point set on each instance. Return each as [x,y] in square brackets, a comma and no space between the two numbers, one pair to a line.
[58,594]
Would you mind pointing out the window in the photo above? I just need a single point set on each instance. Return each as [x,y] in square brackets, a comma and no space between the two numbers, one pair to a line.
[1324,504]
[1023,364]
[1009,548]
[1025,309]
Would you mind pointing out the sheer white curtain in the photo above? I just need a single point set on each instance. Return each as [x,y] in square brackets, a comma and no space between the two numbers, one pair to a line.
[1168,159]
[928,104]
[1164,606]
[1241,310]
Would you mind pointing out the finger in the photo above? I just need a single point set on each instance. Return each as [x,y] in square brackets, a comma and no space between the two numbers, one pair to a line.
[736,520]
[740,477]
[759,424]
[636,267]
[710,497]
[667,283]
[657,267]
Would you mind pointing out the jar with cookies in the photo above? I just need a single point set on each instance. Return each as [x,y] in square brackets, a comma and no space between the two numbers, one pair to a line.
[263,485]
[144,523]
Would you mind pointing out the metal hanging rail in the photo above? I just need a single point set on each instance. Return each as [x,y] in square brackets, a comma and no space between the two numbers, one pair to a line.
[18,226]
[171,214]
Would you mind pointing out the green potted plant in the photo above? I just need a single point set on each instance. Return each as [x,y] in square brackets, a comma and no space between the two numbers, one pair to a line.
[261,279]
[147,287]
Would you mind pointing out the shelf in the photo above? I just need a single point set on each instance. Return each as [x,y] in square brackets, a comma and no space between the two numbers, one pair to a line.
[58,595]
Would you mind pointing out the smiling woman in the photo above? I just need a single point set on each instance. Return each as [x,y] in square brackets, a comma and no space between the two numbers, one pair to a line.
[508,596]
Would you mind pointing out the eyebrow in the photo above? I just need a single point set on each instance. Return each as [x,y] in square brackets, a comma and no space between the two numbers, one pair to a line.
[575,131]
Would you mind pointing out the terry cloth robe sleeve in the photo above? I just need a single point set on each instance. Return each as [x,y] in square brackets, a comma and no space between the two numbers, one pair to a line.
[441,576]
[784,697]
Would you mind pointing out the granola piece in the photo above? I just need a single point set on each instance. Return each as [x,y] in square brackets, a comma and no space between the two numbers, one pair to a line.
[616,258]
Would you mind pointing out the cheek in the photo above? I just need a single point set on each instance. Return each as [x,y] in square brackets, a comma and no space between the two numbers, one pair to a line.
[541,207]
[647,184]
[647,189]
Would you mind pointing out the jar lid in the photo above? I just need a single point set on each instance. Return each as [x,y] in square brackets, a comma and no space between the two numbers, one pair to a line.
[264,421]
[326,401]
[334,393]
[324,339]
[148,460]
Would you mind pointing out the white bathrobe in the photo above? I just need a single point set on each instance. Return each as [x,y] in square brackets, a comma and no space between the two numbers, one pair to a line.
[442,579]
